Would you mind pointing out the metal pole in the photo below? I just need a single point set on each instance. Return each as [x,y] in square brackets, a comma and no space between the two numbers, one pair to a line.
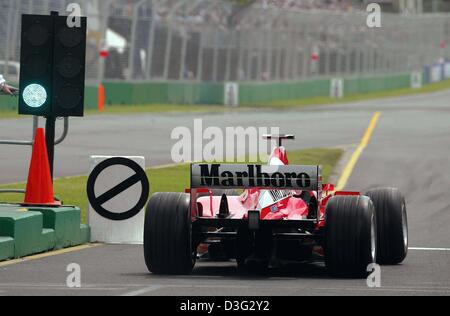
[241,48]
[278,59]
[367,58]
[12,191]
[348,49]
[339,51]
[185,41]
[9,41]
[259,57]
[168,51]
[104,8]
[291,55]
[15,31]
[296,57]
[35,126]
[306,51]
[133,38]
[229,49]
[16,142]
[372,63]
[50,140]
[183,55]
[215,56]
[151,40]
[269,54]
[20,142]
[200,57]
[327,54]
[249,57]
[65,132]
[285,55]
[131,58]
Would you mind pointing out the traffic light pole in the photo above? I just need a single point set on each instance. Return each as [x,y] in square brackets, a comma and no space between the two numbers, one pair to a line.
[50,140]
[50,125]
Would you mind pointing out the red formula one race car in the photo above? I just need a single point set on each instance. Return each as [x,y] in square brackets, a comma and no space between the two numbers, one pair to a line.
[284,215]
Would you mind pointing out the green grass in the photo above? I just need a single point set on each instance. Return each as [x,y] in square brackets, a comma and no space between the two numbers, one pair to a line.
[180,108]
[160,108]
[8,114]
[170,179]
[434,87]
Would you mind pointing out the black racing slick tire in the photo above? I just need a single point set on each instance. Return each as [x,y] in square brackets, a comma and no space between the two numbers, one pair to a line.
[392,225]
[168,246]
[350,236]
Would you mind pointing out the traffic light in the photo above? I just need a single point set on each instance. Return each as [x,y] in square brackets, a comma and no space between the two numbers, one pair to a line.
[36,65]
[69,57]
[53,58]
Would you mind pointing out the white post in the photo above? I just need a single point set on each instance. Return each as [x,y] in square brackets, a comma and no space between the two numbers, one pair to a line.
[104,230]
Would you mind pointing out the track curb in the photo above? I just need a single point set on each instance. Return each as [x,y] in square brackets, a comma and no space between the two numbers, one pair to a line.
[28,231]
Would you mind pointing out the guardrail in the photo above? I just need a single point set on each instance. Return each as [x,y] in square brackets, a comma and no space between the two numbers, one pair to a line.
[35,126]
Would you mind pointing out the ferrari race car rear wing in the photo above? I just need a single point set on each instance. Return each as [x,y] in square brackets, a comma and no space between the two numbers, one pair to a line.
[249,176]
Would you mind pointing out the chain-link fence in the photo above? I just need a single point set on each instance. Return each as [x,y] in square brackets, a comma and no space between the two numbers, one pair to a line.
[218,40]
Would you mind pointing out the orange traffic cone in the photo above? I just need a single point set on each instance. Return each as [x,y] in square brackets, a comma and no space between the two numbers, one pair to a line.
[101,98]
[40,186]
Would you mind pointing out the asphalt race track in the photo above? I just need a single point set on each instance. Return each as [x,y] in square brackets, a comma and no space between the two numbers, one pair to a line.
[409,149]
[120,270]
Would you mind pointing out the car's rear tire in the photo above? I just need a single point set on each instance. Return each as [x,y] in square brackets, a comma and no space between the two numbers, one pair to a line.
[168,235]
[350,236]
[392,225]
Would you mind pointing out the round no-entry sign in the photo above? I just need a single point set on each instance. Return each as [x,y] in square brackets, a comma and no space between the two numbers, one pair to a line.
[138,177]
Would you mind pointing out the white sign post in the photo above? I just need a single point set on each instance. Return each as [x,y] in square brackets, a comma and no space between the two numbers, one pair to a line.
[416,80]
[116,189]
[337,88]
[231,94]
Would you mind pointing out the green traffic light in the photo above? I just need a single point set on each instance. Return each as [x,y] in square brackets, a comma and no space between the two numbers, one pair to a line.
[34,95]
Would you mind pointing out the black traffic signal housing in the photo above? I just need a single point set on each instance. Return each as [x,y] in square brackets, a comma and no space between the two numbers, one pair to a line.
[53,58]
[69,60]
[36,61]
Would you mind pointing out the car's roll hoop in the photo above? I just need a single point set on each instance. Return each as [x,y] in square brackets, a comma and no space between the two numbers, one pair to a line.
[279,137]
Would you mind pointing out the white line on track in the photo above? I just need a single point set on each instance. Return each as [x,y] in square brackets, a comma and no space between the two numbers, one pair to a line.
[440,290]
[444,291]
[429,249]
[144,290]
[56,287]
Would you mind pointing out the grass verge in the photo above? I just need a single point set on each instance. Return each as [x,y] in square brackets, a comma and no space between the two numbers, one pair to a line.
[433,87]
[171,179]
